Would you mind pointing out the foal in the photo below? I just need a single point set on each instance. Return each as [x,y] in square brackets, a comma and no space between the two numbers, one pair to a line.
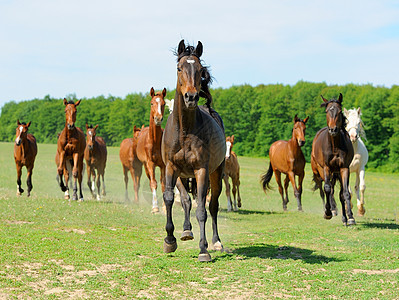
[25,151]
[96,158]
[286,157]
[232,169]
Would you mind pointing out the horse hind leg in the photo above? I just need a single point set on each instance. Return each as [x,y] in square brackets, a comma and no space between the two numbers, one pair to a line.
[362,188]
[277,175]
[216,189]
[29,181]
[228,195]
[98,183]
[19,174]
[234,191]
[286,200]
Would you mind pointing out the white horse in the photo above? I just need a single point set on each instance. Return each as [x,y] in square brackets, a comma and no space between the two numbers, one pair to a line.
[355,128]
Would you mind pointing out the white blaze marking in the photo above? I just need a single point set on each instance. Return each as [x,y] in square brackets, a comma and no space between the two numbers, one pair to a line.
[20,129]
[90,133]
[228,146]
[190,61]
[159,105]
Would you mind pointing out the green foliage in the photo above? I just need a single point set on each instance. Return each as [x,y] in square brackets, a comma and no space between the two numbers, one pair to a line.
[257,116]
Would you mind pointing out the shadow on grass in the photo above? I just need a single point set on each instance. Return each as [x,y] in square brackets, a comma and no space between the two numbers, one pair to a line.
[380,225]
[285,252]
[250,212]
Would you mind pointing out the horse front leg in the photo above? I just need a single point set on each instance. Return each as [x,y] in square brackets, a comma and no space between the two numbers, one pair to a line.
[277,175]
[300,180]
[60,171]
[362,188]
[98,184]
[327,190]
[185,201]
[149,168]
[216,189]
[346,198]
[80,177]
[90,184]
[170,244]
[202,179]
[29,180]
[234,191]
[227,184]
[75,176]
[19,174]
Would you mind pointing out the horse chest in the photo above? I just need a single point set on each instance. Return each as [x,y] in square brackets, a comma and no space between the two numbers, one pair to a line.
[336,161]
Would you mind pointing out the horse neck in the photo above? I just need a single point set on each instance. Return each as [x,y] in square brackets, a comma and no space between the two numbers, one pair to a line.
[294,143]
[23,148]
[186,119]
[154,131]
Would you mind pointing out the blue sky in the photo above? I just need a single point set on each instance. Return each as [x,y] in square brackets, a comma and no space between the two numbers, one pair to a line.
[92,48]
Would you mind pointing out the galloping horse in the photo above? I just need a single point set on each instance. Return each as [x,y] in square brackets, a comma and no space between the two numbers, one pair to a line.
[286,157]
[193,146]
[332,153]
[355,129]
[70,150]
[96,158]
[148,150]
[127,153]
[232,169]
[25,150]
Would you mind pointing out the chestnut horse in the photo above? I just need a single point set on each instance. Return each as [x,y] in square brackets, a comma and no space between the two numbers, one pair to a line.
[70,149]
[25,151]
[148,150]
[127,153]
[193,146]
[232,169]
[286,157]
[96,158]
[332,154]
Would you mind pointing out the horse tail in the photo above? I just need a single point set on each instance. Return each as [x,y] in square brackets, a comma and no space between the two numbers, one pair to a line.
[266,177]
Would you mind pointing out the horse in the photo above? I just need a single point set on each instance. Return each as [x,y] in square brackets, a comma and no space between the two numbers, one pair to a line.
[232,169]
[355,129]
[332,154]
[95,155]
[286,157]
[193,146]
[71,145]
[148,149]
[127,154]
[25,151]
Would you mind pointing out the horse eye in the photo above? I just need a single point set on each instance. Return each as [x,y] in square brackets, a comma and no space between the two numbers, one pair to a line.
[178,69]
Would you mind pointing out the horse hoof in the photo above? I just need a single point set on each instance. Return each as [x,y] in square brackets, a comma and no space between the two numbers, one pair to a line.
[351,222]
[327,217]
[169,248]
[98,198]
[66,197]
[334,213]
[63,188]
[239,204]
[187,235]
[218,246]
[300,209]
[155,210]
[361,212]
[204,257]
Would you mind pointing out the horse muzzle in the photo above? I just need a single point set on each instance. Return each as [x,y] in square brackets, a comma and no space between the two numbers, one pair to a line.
[301,143]
[333,131]
[191,100]
[90,147]
[71,126]
[158,121]
[18,142]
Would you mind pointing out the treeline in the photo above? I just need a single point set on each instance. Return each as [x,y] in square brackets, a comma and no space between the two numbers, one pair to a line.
[257,116]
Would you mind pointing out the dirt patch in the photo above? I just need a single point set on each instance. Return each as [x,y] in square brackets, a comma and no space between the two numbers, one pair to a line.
[16,222]
[375,272]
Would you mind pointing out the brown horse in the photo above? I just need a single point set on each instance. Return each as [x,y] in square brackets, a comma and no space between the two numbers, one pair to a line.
[25,151]
[286,157]
[127,153]
[193,146]
[70,150]
[148,150]
[232,169]
[332,154]
[96,158]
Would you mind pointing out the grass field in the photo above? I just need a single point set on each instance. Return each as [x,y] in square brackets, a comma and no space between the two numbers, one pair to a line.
[54,248]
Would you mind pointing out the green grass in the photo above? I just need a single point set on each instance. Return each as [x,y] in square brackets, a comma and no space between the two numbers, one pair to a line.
[54,248]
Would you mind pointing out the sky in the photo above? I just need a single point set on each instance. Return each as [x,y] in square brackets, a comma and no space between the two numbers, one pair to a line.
[91,48]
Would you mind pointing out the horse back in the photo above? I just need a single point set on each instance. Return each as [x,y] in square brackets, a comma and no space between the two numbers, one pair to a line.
[232,168]
[126,152]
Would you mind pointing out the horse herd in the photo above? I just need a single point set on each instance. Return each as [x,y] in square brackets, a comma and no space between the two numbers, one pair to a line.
[194,155]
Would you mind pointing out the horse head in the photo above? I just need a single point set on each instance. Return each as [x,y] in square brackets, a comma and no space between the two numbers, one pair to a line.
[354,126]
[229,145]
[157,106]
[192,77]
[70,113]
[90,136]
[335,118]
[299,130]
[21,132]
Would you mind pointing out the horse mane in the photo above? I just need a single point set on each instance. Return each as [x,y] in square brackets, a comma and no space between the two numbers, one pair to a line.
[71,102]
[206,78]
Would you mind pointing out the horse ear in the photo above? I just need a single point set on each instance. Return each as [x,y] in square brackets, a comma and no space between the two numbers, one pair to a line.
[306,119]
[199,49]
[340,98]
[152,92]
[359,111]
[27,125]
[18,123]
[164,92]
[87,126]
[181,47]
[232,139]
[296,119]
[96,127]
[77,103]
[324,99]
[65,102]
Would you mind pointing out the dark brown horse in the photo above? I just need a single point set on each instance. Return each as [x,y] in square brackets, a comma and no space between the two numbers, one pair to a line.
[127,153]
[148,150]
[286,157]
[25,150]
[332,154]
[70,150]
[96,158]
[232,169]
[193,146]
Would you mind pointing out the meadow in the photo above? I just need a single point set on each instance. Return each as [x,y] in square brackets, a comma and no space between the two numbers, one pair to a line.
[55,248]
